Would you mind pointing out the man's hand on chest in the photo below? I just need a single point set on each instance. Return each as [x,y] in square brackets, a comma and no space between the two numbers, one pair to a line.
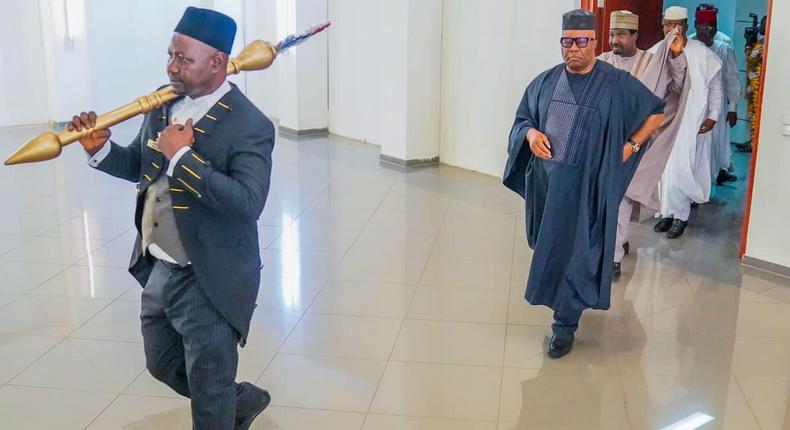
[174,137]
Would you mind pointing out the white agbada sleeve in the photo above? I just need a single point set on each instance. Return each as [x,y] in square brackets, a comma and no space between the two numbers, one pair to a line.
[715,97]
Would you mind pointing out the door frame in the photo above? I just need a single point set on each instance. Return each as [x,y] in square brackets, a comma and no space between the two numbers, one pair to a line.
[756,133]
[592,6]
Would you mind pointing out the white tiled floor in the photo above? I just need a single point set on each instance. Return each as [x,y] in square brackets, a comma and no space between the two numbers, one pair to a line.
[390,300]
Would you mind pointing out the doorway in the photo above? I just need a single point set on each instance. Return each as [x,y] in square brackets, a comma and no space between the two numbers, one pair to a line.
[735,17]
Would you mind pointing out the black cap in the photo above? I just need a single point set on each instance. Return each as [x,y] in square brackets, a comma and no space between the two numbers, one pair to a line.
[578,19]
[208,26]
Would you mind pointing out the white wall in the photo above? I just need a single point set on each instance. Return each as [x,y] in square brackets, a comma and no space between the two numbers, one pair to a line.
[67,63]
[491,51]
[355,42]
[260,19]
[769,237]
[23,93]
[302,81]
[127,47]
[385,73]
[118,53]
[392,60]
[423,77]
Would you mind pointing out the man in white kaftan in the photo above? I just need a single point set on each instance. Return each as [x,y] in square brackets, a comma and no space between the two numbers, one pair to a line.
[686,178]
[721,152]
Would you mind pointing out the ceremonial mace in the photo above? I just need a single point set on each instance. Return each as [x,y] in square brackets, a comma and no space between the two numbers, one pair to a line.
[258,55]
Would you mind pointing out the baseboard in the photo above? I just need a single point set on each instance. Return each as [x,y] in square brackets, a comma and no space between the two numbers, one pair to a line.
[409,163]
[766,266]
[301,133]
[36,125]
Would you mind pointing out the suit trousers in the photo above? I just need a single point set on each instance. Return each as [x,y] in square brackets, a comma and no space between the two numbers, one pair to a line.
[189,345]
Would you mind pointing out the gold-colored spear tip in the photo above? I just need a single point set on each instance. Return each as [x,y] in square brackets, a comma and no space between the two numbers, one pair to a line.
[45,146]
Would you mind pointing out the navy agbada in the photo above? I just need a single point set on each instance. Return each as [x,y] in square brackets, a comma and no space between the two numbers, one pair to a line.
[572,199]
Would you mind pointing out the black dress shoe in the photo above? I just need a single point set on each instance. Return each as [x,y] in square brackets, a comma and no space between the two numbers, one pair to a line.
[250,402]
[663,225]
[677,229]
[725,176]
[616,271]
[626,248]
[560,347]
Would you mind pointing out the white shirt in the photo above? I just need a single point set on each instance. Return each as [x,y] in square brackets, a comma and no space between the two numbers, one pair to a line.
[715,97]
[180,112]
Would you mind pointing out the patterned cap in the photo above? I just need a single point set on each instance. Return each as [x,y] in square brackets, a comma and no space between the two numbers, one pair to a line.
[624,19]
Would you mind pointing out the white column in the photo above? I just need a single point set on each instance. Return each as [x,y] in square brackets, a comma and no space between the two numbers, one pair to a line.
[491,52]
[262,87]
[410,79]
[67,59]
[23,93]
[302,71]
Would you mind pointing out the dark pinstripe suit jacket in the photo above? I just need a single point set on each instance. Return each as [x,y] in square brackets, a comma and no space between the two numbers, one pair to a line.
[218,189]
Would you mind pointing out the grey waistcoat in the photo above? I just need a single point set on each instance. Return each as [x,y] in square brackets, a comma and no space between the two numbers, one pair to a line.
[159,222]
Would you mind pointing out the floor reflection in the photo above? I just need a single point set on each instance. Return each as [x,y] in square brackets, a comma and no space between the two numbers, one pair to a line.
[390,299]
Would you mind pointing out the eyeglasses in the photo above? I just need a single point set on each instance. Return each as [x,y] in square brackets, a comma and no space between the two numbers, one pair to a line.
[705,27]
[581,42]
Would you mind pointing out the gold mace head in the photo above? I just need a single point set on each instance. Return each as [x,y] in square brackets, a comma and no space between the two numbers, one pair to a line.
[45,146]
[258,55]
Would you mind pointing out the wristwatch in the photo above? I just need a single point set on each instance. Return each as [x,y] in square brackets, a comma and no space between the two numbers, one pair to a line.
[635,147]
